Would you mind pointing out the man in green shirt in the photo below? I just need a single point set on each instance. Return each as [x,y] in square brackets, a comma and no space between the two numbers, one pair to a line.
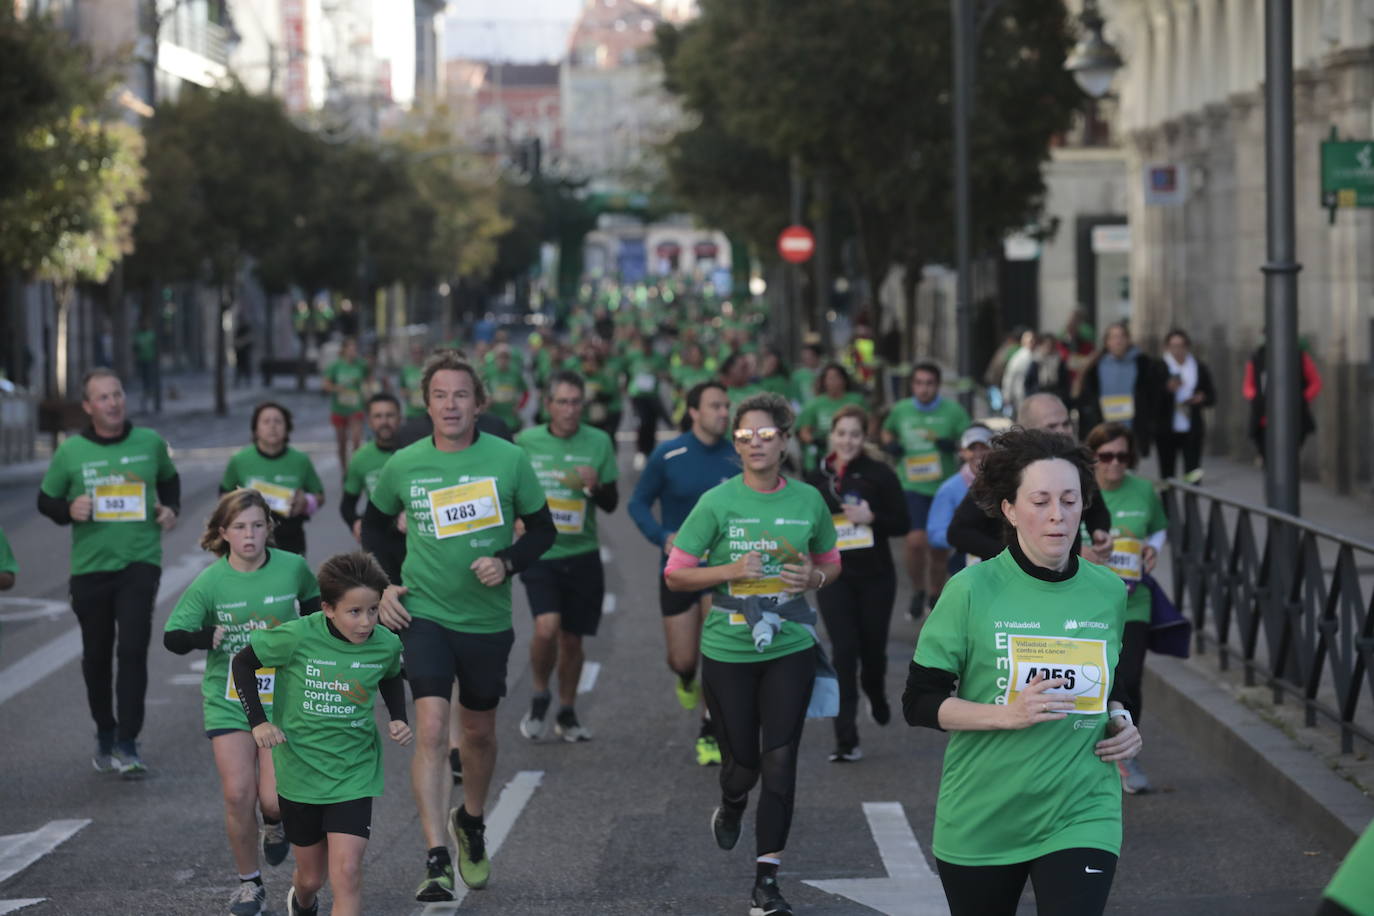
[576,466]
[506,385]
[384,419]
[411,394]
[116,486]
[344,380]
[923,434]
[460,493]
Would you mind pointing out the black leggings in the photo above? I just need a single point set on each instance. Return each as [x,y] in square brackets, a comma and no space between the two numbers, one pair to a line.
[1068,882]
[1171,443]
[649,410]
[857,612]
[764,700]
[1130,666]
[115,610]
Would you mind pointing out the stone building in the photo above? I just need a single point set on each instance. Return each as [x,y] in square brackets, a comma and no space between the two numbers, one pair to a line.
[1192,115]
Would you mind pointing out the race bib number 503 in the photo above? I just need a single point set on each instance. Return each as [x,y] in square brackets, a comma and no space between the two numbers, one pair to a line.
[1082,663]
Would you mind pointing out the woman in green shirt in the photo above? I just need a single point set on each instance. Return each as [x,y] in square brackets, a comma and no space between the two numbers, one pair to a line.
[1017,660]
[250,587]
[765,541]
[1139,528]
[285,477]
[345,380]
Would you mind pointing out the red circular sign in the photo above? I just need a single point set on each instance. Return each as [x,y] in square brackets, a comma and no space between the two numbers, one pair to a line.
[796,244]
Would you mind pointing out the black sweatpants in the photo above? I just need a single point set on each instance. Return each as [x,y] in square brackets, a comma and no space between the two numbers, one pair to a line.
[857,611]
[115,610]
[1130,666]
[1171,443]
[1068,882]
[759,709]
[648,409]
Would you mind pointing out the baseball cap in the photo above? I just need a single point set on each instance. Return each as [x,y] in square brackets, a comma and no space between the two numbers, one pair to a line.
[974,435]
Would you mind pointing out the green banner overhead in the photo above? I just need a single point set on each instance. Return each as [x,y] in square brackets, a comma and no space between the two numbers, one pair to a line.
[1347,173]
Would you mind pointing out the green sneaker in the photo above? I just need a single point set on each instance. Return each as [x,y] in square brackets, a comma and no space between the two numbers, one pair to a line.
[708,751]
[471,842]
[438,884]
[689,697]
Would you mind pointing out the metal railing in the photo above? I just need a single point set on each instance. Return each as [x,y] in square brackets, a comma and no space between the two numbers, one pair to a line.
[1297,622]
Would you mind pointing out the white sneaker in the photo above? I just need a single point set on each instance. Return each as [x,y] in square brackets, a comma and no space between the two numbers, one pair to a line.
[1133,778]
[535,722]
[248,900]
[569,729]
[639,461]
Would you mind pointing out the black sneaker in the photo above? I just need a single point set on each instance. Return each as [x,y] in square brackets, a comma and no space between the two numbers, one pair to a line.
[455,763]
[274,843]
[917,609]
[879,710]
[767,899]
[844,754]
[568,728]
[725,825]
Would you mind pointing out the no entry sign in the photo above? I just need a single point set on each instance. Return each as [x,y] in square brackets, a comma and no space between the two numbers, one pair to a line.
[796,244]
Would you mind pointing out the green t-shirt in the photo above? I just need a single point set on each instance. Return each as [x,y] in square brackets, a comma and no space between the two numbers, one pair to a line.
[923,467]
[803,384]
[730,520]
[412,378]
[364,468]
[242,603]
[459,506]
[1011,796]
[276,478]
[324,690]
[554,460]
[347,399]
[739,395]
[7,561]
[504,390]
[816,416]
[145,346]
[602,395]
[644,371]
[121,478]
[780,385]
[1137,513]
[1353,884]
[686,377]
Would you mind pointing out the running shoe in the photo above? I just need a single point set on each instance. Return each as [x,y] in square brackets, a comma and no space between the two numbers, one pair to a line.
[131,765]
[536,721]
[274,844]
[1193,477]
[846,754]
[767,899]
[918,606]
[295,909]
[708,751]
[473,865]
[103,760]
[879,710]
[640,460]
[1133,778]
[725,825]
[689,697]
[455,763]
[437,886]
[568,728]
[248,900]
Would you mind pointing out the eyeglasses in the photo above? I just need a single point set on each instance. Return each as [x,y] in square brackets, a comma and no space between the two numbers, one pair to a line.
[1109,457]
[766,433]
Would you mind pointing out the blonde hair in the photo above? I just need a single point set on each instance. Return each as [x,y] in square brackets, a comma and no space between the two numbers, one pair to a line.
[228,508]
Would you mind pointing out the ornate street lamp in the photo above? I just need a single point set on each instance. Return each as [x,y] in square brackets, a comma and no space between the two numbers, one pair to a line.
[1093,61]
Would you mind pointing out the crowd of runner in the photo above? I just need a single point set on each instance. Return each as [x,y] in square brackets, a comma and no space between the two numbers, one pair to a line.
[770,492]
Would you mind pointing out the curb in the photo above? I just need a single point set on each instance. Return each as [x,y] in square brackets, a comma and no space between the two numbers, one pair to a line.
[1259,756]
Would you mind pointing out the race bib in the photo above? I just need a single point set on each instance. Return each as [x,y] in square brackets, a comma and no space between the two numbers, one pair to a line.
[568,514]
[417,398]
[645,382]
[1125,560]
[849,535]
[1081,662]
[767,587]
[267,684]
[277,497]
[1118,408]
[465,508]
[118,502]
[503,394]
[349,398]
[923,468]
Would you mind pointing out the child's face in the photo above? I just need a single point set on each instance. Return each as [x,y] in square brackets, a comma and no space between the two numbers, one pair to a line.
[355,614]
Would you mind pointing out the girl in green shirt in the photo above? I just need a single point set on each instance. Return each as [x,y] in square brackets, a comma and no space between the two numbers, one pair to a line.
[250,587]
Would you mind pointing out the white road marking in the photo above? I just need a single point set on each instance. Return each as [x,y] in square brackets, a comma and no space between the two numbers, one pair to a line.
[198,665]
[500,820]
[9,906]
[185,680]
[588,679]
[910,888]
[608,604]
[13,610]
[57,652]
[20,850]
[606,555]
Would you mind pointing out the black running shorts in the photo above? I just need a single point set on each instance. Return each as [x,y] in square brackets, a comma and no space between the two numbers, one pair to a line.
[435,656]
[306,825]
[671,603]
[573,587]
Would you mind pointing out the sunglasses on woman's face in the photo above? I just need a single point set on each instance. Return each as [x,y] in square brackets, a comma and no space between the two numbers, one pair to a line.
[766,433]
[1109,457]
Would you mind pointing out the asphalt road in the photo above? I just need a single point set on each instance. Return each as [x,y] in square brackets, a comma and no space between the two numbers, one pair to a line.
[617,825]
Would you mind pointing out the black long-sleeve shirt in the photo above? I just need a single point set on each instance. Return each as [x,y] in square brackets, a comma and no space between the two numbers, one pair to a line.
[875,483]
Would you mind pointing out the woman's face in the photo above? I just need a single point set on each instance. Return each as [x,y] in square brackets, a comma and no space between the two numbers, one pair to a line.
[759,442]
[1048,506]
[1111,462]
[834,383]
[847,438]
[1177,345]
[1118,341]
[246,535]
[270,430]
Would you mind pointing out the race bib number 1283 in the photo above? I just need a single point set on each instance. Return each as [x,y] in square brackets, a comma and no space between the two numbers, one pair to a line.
[465,508]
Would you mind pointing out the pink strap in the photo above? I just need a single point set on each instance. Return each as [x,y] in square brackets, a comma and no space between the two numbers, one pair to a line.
[680,559]
[830,556]
[312,505]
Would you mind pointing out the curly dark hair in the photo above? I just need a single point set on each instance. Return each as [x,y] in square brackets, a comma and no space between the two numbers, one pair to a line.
[774,405]
[270,405]
[1012,452]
